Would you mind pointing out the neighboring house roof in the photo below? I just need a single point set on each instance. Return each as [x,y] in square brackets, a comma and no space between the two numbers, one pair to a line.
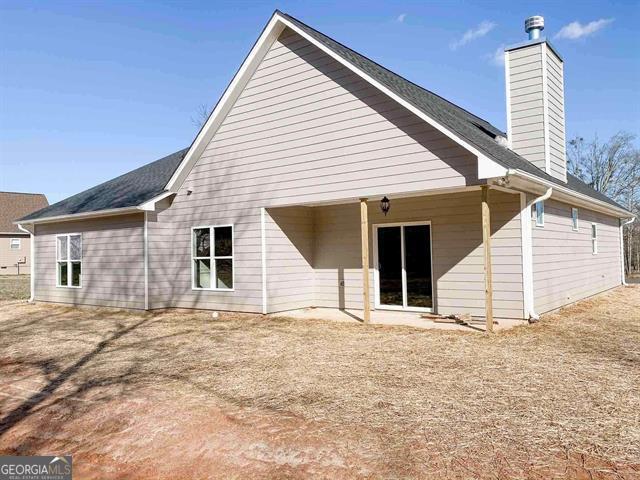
[14,205]
[140,185]
[128,190]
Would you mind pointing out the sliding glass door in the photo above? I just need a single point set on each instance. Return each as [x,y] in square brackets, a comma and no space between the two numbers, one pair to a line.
[403,273]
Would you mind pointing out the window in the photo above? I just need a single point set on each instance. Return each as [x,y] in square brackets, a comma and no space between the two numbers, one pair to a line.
[212,264]
[15,244]
[594,238]
[574,219]
[69,260]
[540,214]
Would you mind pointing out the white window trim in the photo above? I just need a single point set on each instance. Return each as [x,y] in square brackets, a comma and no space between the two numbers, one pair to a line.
[575,227]
[69,261]
[594,239]
[539,223]
[11,247]
[213,258]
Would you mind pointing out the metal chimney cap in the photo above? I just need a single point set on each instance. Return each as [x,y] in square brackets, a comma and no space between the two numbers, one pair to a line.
[533,26]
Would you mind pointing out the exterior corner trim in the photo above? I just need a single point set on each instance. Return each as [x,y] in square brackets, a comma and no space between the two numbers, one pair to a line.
[263,248]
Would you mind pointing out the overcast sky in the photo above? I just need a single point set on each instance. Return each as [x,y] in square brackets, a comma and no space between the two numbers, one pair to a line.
[90,90]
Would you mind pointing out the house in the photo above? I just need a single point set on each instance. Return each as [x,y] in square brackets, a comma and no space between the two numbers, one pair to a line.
[278,202]
[15,244]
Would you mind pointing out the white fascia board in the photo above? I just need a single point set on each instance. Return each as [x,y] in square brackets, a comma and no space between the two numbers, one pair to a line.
[150,206]
[269,35]
[488,168]
[570,196]
[81,216]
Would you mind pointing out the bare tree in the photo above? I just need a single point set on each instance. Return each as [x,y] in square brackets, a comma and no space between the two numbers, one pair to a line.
[613,168]
[202,115]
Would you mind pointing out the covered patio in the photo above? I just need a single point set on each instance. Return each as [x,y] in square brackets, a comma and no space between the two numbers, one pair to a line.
[389,258]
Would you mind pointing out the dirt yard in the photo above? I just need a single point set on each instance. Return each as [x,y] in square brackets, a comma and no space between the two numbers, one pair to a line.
[185,395]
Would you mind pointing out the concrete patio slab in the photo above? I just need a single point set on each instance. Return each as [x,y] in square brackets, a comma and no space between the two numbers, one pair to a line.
[391,317]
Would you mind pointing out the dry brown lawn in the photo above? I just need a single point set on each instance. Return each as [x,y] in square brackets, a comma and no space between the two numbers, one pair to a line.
[179,394]
[14,287]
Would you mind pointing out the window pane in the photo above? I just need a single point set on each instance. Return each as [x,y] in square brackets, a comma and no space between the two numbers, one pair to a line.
[62,248]
[202,274]
[594,231]
[390,265]
[76,274]
[201,243]
[418,265]
[540,213]
[62,273]
[224,243]
[224,273]
[76,247]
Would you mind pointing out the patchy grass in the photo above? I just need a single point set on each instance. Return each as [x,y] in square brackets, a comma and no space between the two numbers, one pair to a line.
[14,287]
[179,393]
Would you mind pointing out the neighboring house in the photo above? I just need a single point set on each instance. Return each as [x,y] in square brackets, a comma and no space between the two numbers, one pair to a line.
[276,205]
[15,244]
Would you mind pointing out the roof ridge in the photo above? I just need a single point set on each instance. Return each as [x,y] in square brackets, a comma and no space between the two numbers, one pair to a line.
[22,193]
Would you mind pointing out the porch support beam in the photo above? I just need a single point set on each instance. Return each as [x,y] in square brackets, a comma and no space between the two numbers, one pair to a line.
[364,225]
[486,244]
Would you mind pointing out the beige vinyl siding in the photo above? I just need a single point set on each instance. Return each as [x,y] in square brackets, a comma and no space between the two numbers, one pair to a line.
[526,104]
[112,262]
[456,245]
[305,129]
[564,268]
[15,261]
[555,95]
[290,252]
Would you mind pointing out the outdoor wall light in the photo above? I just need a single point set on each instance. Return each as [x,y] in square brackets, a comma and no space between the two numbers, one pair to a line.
[385,205]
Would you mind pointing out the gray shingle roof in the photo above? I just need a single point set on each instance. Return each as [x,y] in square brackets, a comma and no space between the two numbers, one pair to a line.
[144,183]
[14,205]
[471,128]
[128,190]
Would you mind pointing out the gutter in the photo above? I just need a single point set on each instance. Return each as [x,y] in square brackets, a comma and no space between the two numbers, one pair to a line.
[147,206]
[79,216]
[32,279]
[622,224]
[617,211]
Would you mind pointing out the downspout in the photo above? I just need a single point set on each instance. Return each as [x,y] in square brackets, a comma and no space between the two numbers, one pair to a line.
[146,262]
[527,253]
[32,279]
[622,224]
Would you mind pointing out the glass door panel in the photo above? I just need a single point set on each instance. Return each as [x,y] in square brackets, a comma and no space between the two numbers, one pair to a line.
[390,265]
[417,244]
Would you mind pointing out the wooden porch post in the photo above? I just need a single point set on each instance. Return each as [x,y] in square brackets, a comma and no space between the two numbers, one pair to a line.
[364,224]
[486,243]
